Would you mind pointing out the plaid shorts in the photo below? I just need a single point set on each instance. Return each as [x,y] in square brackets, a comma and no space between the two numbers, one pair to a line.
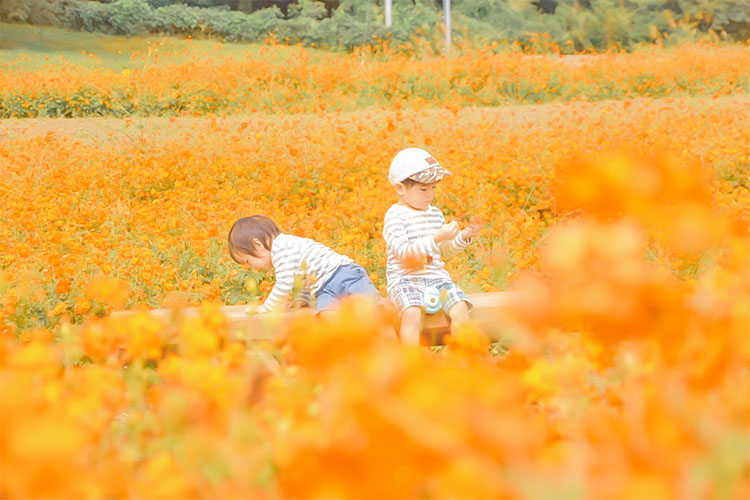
[409,292]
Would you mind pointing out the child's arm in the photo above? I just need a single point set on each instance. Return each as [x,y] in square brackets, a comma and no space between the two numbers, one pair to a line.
[279,295]
[394,232]
[450,248]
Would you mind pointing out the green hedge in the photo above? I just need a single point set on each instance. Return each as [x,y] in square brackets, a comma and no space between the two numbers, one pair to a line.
[571,24]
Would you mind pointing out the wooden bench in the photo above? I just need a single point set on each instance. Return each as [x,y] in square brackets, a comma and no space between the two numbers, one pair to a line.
[258,327]
[485,306]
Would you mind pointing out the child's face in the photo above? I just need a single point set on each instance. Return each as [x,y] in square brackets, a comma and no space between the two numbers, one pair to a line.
[417,196]
[261,261]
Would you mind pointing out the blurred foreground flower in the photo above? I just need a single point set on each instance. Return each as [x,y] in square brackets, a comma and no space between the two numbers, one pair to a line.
[667,194]
[108,290]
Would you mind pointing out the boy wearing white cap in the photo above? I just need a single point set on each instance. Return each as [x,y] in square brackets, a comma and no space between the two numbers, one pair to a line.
[417,241]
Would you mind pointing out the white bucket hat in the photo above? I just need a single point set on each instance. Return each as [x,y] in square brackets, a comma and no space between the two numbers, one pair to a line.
[416,164]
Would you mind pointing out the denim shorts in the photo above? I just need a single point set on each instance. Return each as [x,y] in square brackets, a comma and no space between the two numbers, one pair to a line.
[409,292]
[348,279]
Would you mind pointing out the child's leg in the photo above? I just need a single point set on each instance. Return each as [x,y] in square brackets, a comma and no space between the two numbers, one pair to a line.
[411,325]
[348,279]
[358,282]
[458,314]
[455,303]
[408,297]
[326,314]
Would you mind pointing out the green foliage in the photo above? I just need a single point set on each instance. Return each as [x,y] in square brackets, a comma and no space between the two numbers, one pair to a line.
[497,20]
[303,23]
[91,16]
[570,24]
[160,3]
[45,12]
[722,16]
[130,17]
[236,26]
[175,19]
[479,89]
[608,23]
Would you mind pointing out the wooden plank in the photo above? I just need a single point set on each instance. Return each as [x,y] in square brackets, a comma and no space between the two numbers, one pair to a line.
[258,327]
[485,305]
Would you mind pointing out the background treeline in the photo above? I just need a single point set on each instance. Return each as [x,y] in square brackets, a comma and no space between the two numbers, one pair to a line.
[572,25]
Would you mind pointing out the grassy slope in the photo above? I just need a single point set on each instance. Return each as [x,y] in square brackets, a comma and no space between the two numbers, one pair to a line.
[37,42]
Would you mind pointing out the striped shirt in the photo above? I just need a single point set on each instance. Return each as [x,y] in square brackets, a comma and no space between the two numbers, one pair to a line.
[294,257]
[407,230]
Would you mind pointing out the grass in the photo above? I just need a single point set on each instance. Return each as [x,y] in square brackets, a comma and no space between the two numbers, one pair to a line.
[30,47]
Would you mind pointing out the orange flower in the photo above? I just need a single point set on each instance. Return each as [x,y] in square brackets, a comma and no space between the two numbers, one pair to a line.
[469,339]
[82,305]
[37,452]
[37,334]
[143,335]
[627,359]
[37,357]
[62,287]
[98,341]
[108,290]
[59,308]
[415,260]
[161,477]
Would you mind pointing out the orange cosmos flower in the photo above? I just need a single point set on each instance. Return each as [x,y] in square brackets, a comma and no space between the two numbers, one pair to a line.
[108,290]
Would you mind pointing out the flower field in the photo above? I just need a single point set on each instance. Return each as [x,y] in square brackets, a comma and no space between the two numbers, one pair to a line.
[621,216]
[166,80]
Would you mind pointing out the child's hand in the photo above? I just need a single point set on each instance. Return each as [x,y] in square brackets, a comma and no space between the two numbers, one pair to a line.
[446,233]
[475,225]
[469,232]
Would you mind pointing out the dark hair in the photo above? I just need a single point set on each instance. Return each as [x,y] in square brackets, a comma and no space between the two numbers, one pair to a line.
[248,229]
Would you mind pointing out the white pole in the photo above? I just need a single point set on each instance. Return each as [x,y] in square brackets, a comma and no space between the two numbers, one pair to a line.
[447,16]
[388,17]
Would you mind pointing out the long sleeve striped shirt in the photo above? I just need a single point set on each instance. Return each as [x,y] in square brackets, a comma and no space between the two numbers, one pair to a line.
[294,257]
[406,231]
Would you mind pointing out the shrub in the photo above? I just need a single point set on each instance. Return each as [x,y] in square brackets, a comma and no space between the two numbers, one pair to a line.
[130,17]
[90,16]
[44,12]
[733,17]
[236,26]
[570,24]
[174,19]
[15,11]
[160,3]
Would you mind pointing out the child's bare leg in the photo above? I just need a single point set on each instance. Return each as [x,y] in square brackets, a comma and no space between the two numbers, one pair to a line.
[458,314]
[326,314]
[389,332]
[411,320]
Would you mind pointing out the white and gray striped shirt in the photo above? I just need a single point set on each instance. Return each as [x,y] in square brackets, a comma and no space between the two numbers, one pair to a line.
[408,230]
[293,256]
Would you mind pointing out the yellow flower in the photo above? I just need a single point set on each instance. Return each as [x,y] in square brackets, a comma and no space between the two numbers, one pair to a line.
[59,308]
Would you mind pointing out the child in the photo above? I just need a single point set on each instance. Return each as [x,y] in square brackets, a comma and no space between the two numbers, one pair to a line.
[415,231]
[256,241]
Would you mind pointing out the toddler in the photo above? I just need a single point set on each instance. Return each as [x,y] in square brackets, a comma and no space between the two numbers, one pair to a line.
[417,241]
[257,242]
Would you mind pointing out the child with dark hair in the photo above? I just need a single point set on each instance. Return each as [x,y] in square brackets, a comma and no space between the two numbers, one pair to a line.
[257,242]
